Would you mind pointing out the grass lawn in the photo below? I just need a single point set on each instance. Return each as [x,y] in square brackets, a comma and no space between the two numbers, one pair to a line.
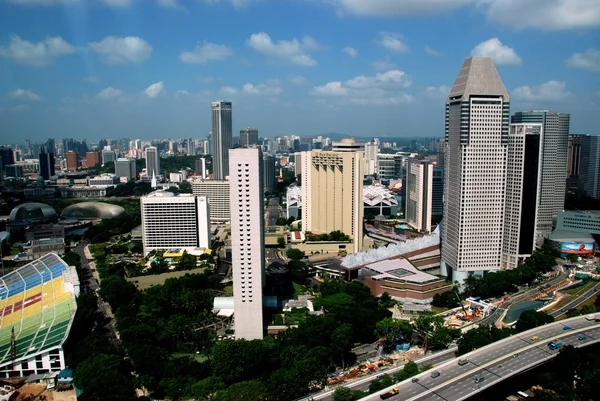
[438,309]
[228,289]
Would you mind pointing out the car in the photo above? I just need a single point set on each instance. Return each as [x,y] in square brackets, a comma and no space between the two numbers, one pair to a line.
[435,374]
[415,380]
[590,317]
[597,320]
[534,338]
[515,355]
[479,379]
[581,337]
[567,328]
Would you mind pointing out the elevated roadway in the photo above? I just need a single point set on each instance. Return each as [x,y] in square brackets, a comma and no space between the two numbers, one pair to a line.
[494,363]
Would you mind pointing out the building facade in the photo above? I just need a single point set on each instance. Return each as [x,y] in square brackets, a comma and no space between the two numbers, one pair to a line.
[171,221]
[390,167]
[92,158]
[270,176]
[573,161]
[579,221]
[247,240]
[248,136]
[554,162]
[221,138]
[476,138]
[217,193]
[590,166]
[419,194]
[152,161]
[72,160]
[46,167]
[437,192]
[108,156]
[523,177]
[125,168]
[332,193]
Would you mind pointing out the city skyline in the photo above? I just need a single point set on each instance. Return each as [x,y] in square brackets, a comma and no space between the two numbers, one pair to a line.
[90,70]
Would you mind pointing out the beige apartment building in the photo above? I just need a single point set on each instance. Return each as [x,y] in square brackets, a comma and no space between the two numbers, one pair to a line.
[332,193]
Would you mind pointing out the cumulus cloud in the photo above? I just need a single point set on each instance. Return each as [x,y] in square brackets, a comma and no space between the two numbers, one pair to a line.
[350,51]
[228,90]
[24,94]
[122,50]
[36,54]
[155,90]
[110,93]
[293,51]
[392,42]
[432,52]
[270,87]
[383,88]
[205,52]
[501,54]
[395,7]
[588,60]
[546,92]
[437,92]
[384,65]
[297,79]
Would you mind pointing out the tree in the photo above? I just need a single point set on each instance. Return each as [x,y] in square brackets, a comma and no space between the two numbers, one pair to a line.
[298,271]
[410,369]
[341,341]
[573,313]
[587,309]
[394,331]
[117,291]
[281,242]
[447,299]
[380,384]
[241,360]
[572,257]
[281,221]
[346,394]
[252,390]
[295,254]
[186,262]
[94,374]
[473,339]
[386,300]
[531,319]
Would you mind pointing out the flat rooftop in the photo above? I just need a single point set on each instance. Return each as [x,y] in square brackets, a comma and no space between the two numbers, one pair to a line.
[398,269]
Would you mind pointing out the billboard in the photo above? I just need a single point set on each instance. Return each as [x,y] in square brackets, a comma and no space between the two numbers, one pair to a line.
[577,249]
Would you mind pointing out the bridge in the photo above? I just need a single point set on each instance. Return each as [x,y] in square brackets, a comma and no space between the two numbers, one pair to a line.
[494,363]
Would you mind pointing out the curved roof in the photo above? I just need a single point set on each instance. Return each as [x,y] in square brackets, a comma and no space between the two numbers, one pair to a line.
[92,210]
[32,211]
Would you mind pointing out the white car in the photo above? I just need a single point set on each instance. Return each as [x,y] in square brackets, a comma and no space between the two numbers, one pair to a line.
[590,317]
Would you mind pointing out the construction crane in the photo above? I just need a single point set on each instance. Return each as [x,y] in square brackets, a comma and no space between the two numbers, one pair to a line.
[461,304]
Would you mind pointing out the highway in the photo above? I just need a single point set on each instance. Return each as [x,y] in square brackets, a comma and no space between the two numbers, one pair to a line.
[494,362]
[577,301]
[272,212]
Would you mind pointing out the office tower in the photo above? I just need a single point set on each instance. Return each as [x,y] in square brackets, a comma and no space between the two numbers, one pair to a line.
[6,157]
[390,167]
[152,161]
[191,147]
[46,164]
[108,156]
[477,114]
[72,160]
[589,172]
[125,168]
[437,193]
[92,158]
[221,138]
[270,177]
[523,175]
[441,145]
[51,145]
[174,221]
[206,147]
[247,240]
[332,193]
[217,193]
[248,136]
[200,167]
[348,145]
[554,162]
[371,158]
[419,194]
[573,161]
[297,164]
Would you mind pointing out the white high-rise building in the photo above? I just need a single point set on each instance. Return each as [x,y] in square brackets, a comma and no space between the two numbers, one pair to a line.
[371,158]
[332,194]
[523,182]
[247,240]
[152,161]
[108,156]
[477,120]
[171,221]
[221,138]
[217,192]
[125,168]
[419,194]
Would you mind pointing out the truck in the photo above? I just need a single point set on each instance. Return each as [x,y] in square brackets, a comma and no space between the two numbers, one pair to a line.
[555,345]
[389,394]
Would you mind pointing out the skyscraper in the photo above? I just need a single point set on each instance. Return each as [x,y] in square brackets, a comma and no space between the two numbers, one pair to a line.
[125,168]
[437,194]
[46,163]
[217,192]
[6,157]
[221,138]
[477,115]
[332,194]
[248,136]
[419,194]
[590,166]
[152,161]
[92,158]
[72,160]
[270,177]
[573,161]
[108,156]
[247,240]
[554,162]
[523,175]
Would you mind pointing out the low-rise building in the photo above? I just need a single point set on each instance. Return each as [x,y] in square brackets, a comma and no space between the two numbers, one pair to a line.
[581,221]
[41,231]
[104,181]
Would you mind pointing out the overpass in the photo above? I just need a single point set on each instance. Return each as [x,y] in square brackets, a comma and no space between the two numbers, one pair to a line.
[495,362]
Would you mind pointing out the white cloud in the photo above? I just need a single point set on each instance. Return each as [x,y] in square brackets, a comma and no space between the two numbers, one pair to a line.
[350,51]
[24,94]
[588,60]
[155,90]
[118,3]
[36,54]
[437,92]
[386,8]
[174,4]
[546,92]
[205,52]
[228,90]
[546,15]
[293,51]
[384,65]
[383,88]
[432,52]
[110,93]
[297,79]
[392,42]
[264,89]
[122,50]
[501,54]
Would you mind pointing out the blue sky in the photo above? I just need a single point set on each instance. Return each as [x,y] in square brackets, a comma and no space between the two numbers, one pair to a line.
[149,68]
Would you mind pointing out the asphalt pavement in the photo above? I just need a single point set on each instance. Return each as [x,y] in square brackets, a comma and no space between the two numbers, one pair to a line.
[273,211]
[577,301]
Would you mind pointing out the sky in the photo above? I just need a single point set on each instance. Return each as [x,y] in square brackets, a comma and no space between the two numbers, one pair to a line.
[371,68]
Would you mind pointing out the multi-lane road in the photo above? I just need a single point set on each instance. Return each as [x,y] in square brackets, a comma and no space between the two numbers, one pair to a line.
[494,362]
[574,303]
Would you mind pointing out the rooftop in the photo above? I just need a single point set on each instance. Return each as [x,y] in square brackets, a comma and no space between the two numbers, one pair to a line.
[398,269]
[571,236]
[478,76]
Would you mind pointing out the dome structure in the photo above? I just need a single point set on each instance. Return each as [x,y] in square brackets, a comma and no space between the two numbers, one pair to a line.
[32,212]
[92,211]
